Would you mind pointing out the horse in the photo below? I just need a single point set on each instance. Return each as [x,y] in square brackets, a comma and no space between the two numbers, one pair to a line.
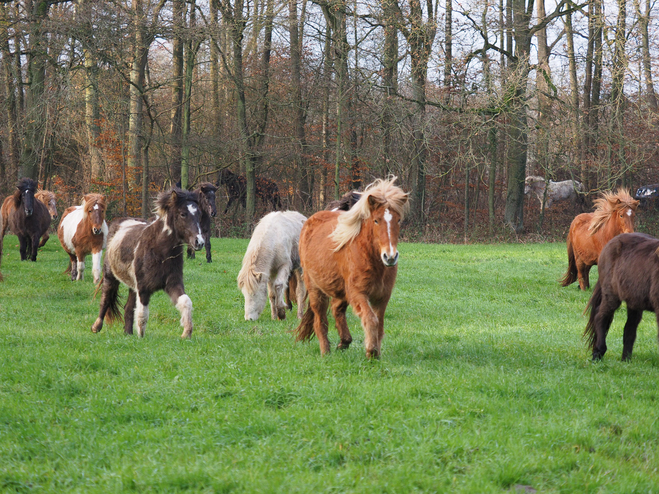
[236,186]
[272,258]
[647,194]
[628,272]
[29,219]
[352,256]
[347,200]
[82,231]
[589,233]
[45,196]
[206,192]
[148,257]
[557,191]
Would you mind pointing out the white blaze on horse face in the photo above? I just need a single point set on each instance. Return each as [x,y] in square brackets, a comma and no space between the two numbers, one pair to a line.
[166,229]
[388,217]
[96,206]
[192,209]
[629,212]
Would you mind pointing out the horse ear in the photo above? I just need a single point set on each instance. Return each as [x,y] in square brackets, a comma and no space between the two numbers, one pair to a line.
[173,198]
[372,203]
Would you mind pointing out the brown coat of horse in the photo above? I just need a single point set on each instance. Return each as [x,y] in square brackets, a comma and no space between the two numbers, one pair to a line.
[628,272]
[45,196]
[29,219]
[83,231]
[352,257]
[590,232]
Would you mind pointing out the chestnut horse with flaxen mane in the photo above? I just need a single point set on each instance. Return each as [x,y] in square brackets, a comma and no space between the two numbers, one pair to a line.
[590,232]
[352,257]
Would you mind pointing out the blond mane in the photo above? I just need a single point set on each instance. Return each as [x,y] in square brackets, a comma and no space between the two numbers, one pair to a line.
[383,192]
[610,203]
[248,277]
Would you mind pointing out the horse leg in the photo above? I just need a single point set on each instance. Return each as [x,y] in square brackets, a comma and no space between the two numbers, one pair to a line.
[73,266]
[22,241]
[184,305]
[629,334]
[129,311]
[300,293]
[582,274]
[108,300]
[279,285]
[318,303]
[96,266]
[44,239]
[379,311]
[34,247]
[370,324]
[602,322]
[80,260]
[339,308]
[207,245]
[142,311]
[273,300]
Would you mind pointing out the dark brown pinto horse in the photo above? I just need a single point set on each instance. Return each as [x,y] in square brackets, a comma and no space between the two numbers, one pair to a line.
[29,220]
[206,192]
[236,186]
[83,231]
[352,257]
[628,272]
[590,232]
[148,257]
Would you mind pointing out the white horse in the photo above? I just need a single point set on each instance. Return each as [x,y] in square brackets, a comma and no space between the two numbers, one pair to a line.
[558,191]
[272,257]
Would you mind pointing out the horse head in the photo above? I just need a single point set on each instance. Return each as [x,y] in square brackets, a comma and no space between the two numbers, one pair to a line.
[615,210]
[94,208]
[24,195]
[253,286]
[179,209]
[626,216]
[534,183]
[226,177]
[208,190]
[48,198]
[386,228]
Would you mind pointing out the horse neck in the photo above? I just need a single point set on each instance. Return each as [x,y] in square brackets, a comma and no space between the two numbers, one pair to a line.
[366,239]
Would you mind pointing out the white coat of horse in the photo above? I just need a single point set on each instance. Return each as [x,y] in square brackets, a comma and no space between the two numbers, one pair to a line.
[272,257]
[558,191]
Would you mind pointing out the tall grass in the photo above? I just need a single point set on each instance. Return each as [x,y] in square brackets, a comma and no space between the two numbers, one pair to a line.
[484,385]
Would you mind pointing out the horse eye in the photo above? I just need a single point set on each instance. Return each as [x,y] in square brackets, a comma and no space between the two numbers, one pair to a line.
[376,222]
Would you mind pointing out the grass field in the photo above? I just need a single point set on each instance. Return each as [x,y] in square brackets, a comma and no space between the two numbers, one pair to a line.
[484,385]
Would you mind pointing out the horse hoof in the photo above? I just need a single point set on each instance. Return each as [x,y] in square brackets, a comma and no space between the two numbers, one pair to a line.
[97,326]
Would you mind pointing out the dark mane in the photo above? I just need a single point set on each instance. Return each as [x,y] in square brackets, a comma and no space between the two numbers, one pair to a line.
[23,185]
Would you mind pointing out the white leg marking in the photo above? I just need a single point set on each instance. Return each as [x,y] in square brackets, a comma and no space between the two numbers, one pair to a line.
[141,316]
[81,270]
[184,306]
[96,265]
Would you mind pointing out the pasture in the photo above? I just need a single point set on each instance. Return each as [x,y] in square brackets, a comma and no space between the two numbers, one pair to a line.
[484,385]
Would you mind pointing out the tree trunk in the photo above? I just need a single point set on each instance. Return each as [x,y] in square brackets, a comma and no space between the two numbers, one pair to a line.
[140,52]
[390,82]
[644,21]
[176,124]
[191,48]
[10,98]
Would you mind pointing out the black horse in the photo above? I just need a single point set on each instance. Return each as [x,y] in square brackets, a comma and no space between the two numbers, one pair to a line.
[29,220]
[628,271]
[236,186]
[206,192]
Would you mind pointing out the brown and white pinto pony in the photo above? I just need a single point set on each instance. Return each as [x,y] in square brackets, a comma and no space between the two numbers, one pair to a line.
[352,257]
[589,233]
[45,196]
[29,219]
[82,231]
[148,257]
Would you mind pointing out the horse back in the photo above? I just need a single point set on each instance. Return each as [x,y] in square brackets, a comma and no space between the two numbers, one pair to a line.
[7,208]
[124,237]
[587,247]
[629,269]
[68,226]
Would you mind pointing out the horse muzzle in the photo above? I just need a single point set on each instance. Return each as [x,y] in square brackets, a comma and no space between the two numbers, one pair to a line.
[28,212]
[97,231]
[199,243]
[389,261]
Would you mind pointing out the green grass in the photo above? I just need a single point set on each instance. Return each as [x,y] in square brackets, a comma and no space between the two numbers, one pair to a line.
[484,385]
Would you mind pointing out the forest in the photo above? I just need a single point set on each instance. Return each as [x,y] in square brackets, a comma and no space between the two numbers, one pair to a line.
[460,100]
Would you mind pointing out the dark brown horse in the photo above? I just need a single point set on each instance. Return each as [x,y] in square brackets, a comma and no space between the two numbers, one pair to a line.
[347,200]
[83,231]
[206,192]
[45,196]
[148,257]
[352,257]
[29,220]
[590,232]
[628,272]
[236,186]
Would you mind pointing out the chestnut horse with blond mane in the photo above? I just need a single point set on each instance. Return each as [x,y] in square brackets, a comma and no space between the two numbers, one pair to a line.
[590,232]
[351,256]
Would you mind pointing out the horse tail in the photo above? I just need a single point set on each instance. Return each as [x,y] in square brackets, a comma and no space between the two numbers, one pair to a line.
[111,298]
[305,329]
[572,274]
[593,305]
